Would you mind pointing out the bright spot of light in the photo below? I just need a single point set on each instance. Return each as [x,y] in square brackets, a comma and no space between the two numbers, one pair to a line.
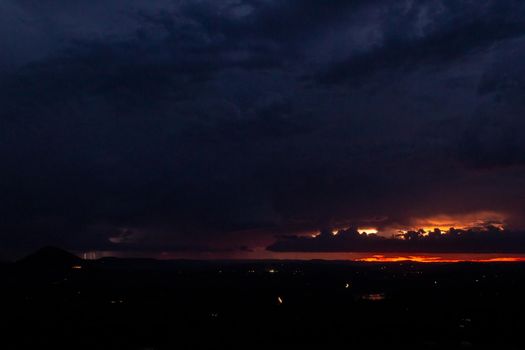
[368,231]
[279,300]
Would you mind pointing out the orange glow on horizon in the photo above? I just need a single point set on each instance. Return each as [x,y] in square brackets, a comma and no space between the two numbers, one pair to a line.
[436,259]
[368,230]
[461,221]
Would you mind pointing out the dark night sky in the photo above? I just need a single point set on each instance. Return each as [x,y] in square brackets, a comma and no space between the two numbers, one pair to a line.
[213,125]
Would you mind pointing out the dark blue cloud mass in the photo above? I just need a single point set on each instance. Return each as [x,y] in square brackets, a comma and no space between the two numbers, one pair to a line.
[219,124]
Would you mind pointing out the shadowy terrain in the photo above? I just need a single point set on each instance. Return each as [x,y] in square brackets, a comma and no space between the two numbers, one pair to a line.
[53,299]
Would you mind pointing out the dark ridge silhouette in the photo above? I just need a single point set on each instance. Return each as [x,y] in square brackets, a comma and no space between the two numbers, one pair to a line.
[50,258]
[116,263]
[210,304]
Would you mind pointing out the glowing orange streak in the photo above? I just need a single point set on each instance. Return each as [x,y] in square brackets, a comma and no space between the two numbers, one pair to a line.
[436,259]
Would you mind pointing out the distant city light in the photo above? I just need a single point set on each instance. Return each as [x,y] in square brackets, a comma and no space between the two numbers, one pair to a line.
[373,296]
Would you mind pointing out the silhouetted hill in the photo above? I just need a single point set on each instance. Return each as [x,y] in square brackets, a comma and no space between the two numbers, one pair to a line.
[50,258]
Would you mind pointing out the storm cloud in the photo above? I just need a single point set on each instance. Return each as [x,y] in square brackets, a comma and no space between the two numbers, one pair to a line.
[210,125]
[480,240]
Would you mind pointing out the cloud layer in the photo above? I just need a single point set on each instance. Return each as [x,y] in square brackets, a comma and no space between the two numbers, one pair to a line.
[486,240]
[216,124]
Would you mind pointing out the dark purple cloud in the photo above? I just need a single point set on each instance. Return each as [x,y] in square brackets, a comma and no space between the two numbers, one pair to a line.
[487,240]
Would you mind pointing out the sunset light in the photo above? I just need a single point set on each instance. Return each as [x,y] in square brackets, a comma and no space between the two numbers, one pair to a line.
[368,231]
[437,259]
[458,221]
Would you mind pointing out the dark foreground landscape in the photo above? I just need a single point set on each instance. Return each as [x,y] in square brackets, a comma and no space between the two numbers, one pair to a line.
[55,300]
